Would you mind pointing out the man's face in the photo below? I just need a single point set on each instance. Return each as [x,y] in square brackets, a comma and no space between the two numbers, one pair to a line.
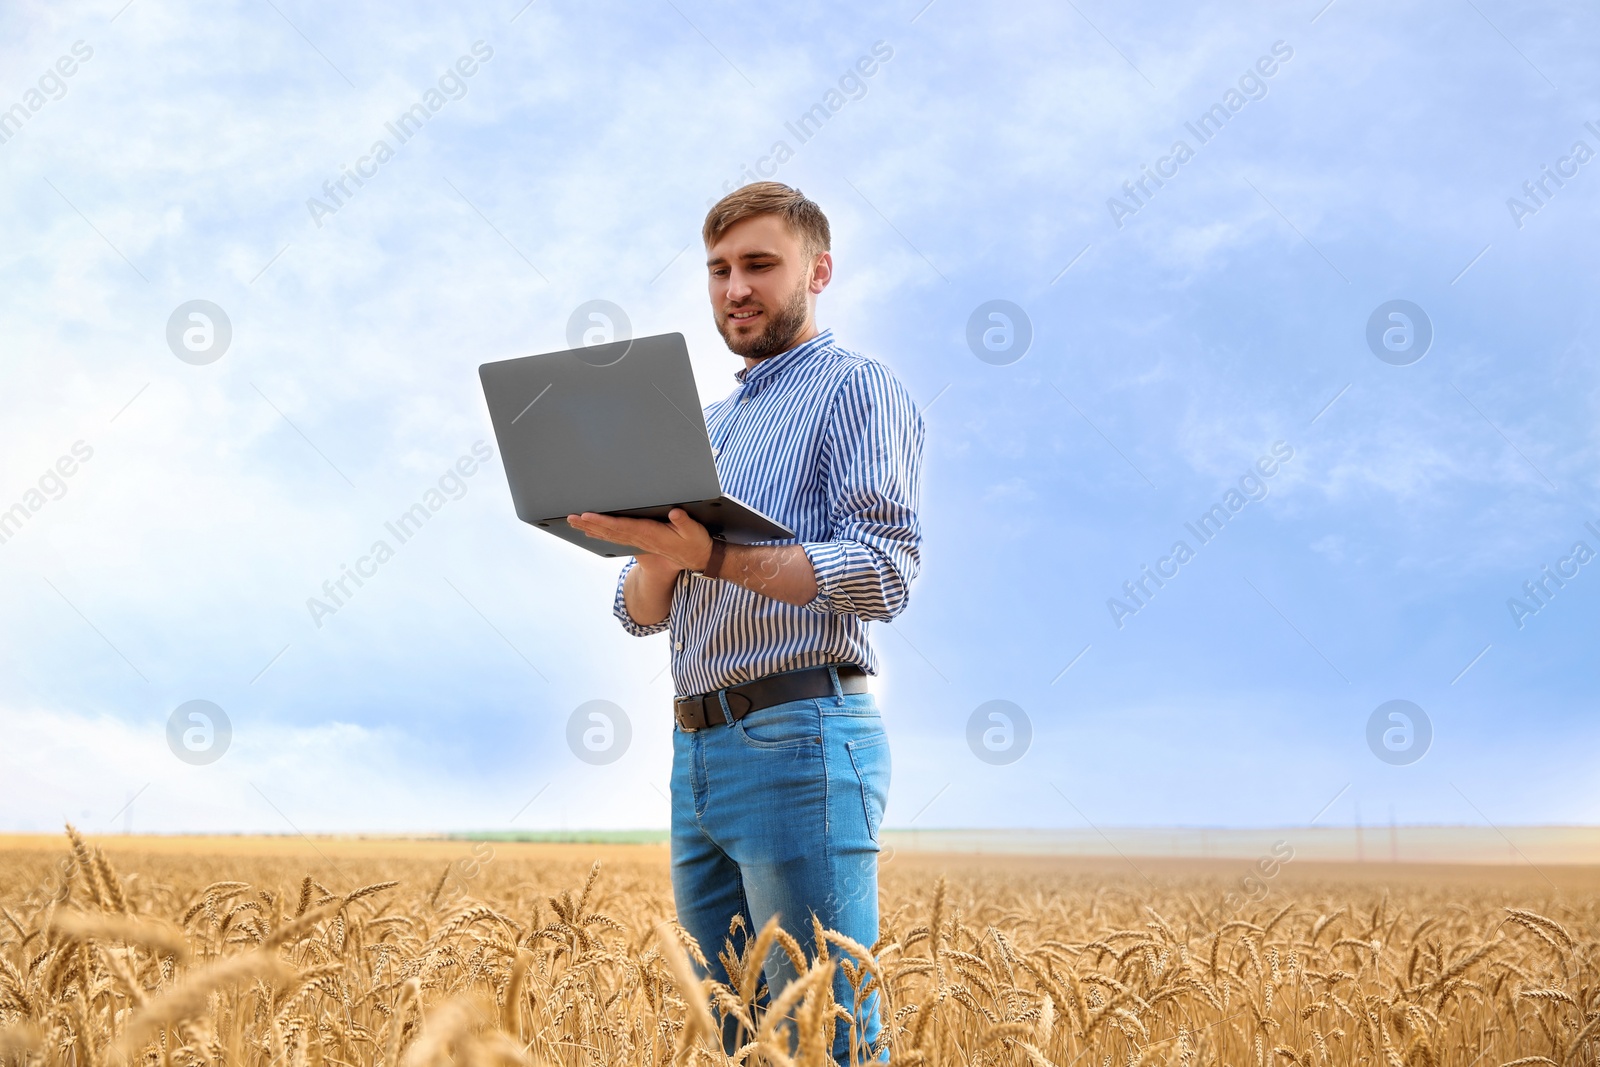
[763,286]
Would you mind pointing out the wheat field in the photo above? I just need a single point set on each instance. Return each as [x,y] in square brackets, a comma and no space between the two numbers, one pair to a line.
[285,953]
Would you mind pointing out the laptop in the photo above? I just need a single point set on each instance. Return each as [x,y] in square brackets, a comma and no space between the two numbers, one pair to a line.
[616,429]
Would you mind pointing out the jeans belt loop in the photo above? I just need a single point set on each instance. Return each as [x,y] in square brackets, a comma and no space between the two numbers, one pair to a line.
[838,689]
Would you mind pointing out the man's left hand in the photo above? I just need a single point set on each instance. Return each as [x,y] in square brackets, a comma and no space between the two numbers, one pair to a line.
[680,539]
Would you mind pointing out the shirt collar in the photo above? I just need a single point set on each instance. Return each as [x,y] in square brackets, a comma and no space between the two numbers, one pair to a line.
[775,364]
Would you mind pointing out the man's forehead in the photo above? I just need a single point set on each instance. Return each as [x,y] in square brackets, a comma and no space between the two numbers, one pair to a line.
[757,237]
[757,252]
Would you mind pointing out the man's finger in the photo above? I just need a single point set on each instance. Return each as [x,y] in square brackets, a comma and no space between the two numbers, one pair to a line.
[641,533]
[603,523]
[591,518]
[684,522]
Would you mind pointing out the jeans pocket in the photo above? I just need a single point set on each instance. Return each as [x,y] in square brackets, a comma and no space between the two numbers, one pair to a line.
[870,759]
[791,725]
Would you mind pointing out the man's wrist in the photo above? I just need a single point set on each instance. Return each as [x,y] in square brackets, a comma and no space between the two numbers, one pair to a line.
[659,567]
[713,567]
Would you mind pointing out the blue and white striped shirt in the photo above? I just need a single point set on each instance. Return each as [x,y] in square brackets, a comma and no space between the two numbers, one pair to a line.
[828,442]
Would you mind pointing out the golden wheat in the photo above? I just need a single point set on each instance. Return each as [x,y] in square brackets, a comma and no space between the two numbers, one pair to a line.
[240,960]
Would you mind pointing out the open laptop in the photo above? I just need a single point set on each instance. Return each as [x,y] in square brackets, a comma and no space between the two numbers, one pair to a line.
[616,429]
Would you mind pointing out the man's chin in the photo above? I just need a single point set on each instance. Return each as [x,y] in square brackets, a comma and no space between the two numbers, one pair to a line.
[777,334]
[757,349]
[746,344]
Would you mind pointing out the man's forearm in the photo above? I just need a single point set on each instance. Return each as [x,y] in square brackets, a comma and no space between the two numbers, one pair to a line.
[782,572]
[647,594]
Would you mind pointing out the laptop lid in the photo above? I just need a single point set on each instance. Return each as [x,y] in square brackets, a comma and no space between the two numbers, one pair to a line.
[602,428]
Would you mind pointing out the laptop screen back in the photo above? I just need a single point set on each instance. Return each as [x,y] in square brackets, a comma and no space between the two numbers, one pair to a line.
[604,428]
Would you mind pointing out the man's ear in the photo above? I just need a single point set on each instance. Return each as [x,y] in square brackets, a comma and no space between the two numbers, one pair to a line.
[821,272]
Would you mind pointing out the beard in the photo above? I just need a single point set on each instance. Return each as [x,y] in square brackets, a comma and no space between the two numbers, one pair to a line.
[783,326]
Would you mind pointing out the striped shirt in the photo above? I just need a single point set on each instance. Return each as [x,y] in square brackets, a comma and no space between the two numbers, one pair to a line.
[827,442]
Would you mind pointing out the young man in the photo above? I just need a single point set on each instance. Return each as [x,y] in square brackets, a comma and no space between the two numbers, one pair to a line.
[780,762]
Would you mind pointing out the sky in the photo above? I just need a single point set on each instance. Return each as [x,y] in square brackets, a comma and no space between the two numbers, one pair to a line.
[1200,221]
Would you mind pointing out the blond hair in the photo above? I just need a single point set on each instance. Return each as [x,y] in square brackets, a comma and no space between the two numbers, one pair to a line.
[805,219]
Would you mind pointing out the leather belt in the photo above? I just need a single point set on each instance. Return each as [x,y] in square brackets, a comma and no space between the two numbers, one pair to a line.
[698,712]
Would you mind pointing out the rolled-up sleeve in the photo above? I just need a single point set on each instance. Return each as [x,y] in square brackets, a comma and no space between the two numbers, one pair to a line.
[619,608]
[872,468]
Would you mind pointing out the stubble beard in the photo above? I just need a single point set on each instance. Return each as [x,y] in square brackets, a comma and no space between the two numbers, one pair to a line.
[783,327]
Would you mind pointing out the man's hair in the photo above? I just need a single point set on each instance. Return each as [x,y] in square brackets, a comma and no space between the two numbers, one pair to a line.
[804,217]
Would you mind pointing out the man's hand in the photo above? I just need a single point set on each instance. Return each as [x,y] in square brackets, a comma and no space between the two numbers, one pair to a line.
[679,544]
[665,549]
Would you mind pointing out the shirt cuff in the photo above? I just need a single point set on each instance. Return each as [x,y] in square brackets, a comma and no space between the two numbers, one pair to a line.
[619,608]
[832,566]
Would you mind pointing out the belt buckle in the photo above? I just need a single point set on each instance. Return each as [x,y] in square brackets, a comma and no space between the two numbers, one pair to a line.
[701,716]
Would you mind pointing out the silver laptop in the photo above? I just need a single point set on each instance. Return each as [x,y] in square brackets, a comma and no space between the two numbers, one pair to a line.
[616,429]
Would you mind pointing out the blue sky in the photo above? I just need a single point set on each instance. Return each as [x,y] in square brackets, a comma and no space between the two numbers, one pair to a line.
[976,163]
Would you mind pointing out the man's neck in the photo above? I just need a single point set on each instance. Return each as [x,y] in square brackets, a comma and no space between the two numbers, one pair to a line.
[805,335]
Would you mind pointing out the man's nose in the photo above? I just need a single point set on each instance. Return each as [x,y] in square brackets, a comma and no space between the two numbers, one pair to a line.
[738,288]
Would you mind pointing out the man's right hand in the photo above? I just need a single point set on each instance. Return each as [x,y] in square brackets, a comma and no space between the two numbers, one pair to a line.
[680,539]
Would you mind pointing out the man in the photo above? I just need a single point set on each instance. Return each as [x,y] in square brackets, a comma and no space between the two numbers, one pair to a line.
[780,762]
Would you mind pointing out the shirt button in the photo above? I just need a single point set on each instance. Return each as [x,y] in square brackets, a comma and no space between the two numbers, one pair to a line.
[744,400]
[678,645]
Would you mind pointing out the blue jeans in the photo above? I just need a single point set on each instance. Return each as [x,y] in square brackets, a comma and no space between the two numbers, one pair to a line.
[778,814]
